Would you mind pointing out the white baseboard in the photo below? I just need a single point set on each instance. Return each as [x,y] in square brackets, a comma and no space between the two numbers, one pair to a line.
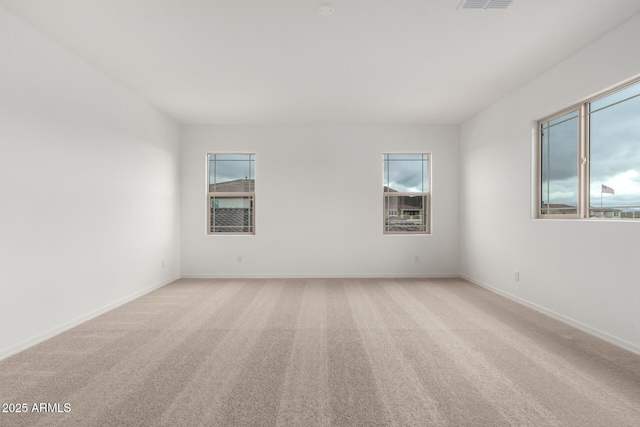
[10,351]
[611,339]
[319,276]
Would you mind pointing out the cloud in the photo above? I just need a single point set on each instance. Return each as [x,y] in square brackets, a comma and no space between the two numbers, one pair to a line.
[560,151]
[406,176]
[615,140]
[562,191]
[626,186]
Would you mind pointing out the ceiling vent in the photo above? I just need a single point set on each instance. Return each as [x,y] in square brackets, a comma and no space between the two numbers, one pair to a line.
[484,4]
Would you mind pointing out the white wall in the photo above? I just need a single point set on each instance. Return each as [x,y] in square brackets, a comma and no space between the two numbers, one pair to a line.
[585,272]
[89,181]
[319,203]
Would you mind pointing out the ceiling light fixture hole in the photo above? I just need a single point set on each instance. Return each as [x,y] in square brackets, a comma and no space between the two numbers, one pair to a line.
[325,10]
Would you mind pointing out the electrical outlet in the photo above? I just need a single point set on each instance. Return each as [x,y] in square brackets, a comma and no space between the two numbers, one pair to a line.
[416,259]
[516,275]
[239,258]
[162,264]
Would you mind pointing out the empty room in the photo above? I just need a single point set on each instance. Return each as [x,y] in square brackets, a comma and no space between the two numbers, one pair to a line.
[304,213]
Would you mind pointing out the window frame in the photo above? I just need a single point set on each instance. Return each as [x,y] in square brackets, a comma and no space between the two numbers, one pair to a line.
[582,161]
[426,196]
[580,108]
[211,195]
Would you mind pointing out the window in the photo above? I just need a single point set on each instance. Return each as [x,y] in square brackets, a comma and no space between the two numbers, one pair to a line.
[231,194]
[590,158]
[406,204]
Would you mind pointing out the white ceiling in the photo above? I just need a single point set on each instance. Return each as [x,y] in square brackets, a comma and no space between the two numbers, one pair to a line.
[278,61]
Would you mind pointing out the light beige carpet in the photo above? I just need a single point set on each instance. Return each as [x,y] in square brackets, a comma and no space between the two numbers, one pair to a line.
[357,352]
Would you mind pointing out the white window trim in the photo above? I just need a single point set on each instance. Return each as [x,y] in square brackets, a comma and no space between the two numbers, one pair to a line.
[426,197]
[210,194]
[581,170]
[582,162]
